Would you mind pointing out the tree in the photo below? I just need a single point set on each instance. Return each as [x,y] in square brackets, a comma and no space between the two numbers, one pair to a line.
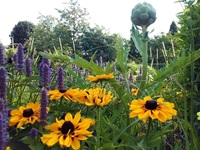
[95,40]
[48,34]
[75,18]
[21,31]
[173,28]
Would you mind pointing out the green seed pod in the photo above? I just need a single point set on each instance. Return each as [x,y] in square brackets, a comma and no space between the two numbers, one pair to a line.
[143,14]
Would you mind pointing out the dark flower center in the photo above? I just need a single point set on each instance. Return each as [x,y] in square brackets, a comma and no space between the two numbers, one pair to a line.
[66,127]
[28,112]
[62,91]
[151,104]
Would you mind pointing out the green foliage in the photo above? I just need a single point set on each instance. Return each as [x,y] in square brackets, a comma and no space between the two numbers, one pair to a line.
[75,18]
[21,31]
[96,40]
[52,33]
[173,28]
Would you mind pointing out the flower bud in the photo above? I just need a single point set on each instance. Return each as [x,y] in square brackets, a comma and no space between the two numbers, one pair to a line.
[143,14]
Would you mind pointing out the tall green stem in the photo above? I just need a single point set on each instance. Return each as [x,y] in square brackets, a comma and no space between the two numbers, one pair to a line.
[98,129]
[144,60]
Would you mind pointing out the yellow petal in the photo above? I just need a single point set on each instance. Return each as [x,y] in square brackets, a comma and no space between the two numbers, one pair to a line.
[75,143]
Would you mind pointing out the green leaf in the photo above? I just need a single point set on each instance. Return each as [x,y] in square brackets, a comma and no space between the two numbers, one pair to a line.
[57,56]
[176,66]
[136,39]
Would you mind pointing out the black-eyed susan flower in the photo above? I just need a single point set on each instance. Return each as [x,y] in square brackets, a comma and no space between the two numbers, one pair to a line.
[68,132]
[25,115]
[134,91]
[98,97]
[56,94]
[198,114]
[143,109]
[102,77]
[70,94]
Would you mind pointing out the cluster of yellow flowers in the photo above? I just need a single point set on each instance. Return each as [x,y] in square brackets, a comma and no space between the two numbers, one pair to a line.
[69,131]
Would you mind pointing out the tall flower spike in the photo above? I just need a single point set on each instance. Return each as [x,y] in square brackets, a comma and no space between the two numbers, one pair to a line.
[20,57]
[3,136]
[46,76]
[43,107]
[28,67]
[15,59]
[2,55]
[46,60]
[3,86]
[60,79]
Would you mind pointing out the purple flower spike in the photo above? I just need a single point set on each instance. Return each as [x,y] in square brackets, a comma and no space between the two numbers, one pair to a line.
[20,57]
[43,107]
[15,59]
[46,76]
[2,55]
[3,136]
[3,86]
[33,133]
[28,67]
[46,60]
[60,79]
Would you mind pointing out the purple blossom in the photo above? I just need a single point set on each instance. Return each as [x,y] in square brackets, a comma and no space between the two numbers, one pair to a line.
[60,79]
[28,67]
[3,86]
[15,59]
[43,107]
[131,77]
[46,60]
[20,57]
[33,133]
[46,79]
[3,135]
[2,55]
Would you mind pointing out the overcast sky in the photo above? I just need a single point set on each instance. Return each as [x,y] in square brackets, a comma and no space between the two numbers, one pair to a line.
[114,15]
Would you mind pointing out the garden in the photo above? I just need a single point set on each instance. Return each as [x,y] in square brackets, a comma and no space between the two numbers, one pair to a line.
[79,88]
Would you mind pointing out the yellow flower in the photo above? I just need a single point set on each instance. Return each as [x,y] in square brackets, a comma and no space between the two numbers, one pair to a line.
[198,114]
[134,91]
[70,94]
[143,109]
[56,94]
[8,148]
[100,77]
[25,115]
[68,131]
[98,97]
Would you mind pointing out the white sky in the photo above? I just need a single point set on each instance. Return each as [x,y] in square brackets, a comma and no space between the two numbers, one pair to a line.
[114,15]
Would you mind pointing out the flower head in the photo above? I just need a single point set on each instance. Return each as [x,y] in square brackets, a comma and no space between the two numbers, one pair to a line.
[102,77]
[98,97]
[20,57]
[134,91]
[143,109]
[143,14]
[68,131]
[75,95]
[28,67]
[25,115]
[2,55]
[3,85]
[198,114]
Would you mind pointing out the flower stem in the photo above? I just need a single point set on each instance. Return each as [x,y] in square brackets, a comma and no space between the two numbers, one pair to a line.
[149,126]
[144,60]
[98,129]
